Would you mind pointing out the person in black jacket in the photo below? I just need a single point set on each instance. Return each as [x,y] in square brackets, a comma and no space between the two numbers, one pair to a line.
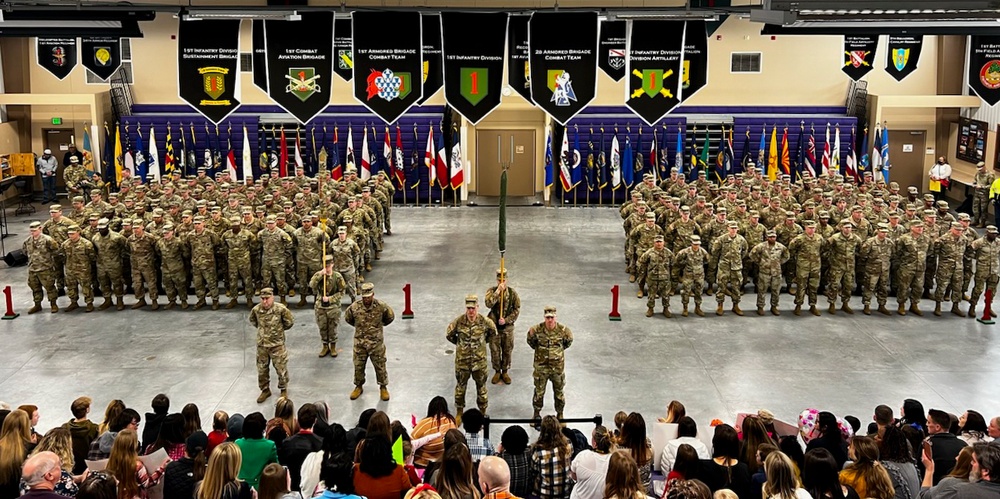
[944,445]
[161,406]
[181,476]
[296,448]
[830,438]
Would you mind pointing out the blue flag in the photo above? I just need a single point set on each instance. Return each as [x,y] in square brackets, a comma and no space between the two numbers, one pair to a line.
[864,161]
[576,174]
[747,153]
[679,152]
[762,151]
[549,177]
[800,155]
[141,166]
[885,154]
[628,168]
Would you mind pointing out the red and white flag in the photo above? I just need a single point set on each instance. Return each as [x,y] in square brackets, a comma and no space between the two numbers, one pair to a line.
[429,155]
[366,163]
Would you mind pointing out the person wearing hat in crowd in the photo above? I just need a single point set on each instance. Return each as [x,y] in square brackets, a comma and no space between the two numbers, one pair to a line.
[47,166]
[642,237]
[691,261]
[505,307]
[950,249]
[80,256]
[309,242]
[56,227]
[238,243]
[841,250]
[203,244]
[806,249]
[549,339]
[654,267]
[470,333]
[369,317]
[41,251]
[970,236]
[78,214]
[110,248]
[142,249]
[328,286]
[769,256]
[75,175]
[981,198]
[876,253]
[276,250]
[728,251]
[271,320]
[174,252]
[346,255]
[97,205]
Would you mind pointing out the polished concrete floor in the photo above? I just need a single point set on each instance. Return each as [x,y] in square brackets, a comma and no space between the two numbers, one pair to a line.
[568,257]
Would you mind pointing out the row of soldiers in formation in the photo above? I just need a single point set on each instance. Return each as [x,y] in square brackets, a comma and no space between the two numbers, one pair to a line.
[821,232]
[270,233]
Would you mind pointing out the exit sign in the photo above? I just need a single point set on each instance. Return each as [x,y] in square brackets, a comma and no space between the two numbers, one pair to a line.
[57,121]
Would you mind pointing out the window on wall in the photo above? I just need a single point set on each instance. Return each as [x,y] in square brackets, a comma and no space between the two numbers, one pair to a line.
[745,62]
[92,79]
[246,62]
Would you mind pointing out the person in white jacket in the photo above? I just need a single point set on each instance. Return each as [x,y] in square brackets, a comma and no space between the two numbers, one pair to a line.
[687,433]
[941,172]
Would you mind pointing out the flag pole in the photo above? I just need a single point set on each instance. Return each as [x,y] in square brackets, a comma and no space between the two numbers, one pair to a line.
[502,230]
[600,190]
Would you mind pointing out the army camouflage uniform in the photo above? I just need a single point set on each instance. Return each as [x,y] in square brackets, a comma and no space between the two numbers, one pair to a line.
[642,239]
[549,363]
[950,250]
[729,253]
[806,251]
[174,252]
[346,255]
[878,255]
[981,202]
[327,314]
[769,259]
[238,247]
[369,342]
[57,230]
[79,258]
[309,253]
[502,345]
[271,324]
[841,250]
[203,248]
[987,257]
[110,251]
[470,339]
[276,249]
[655,267]
[691,261]
[911,252]
[143,252]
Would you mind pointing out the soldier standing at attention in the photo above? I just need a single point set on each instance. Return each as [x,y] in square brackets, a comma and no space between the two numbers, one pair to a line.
[769,256]
[502,344]
[950,250]
[202,243]
[271,320]
[369,316]
[549,340]
[691,262]
[729,250]
[79,257]
[239,242]
[877,255]
[345,255]
[328,286]
[806,248]
[142,248]
[841,250]
[911,251]
[654,266]
[110,247]
[470,333]
[276,247]
[986,251]
[41,250]
[981,202]
[173,253]
[309,242]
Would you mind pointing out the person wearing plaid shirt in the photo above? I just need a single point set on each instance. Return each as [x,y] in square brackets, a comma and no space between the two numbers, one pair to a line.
[514,451]
[550,462]
[479,445]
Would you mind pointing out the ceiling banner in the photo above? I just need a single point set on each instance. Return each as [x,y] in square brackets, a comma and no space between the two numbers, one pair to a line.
[611,57]
[102,55]
[388,65]
[433,72]
[300,63]
[473,48]
[57,55]
[342,48]
[563,68]
[984,68]
[904,55]
[859,55]
[208,58]
[518,74]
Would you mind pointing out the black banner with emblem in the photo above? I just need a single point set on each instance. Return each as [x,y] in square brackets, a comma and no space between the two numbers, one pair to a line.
[433,72]
[518,73]
[299,63]
[473,45]
[859,55]
[611,55]
[102,55]
[388,65]
[57,55]
[342,48]
[259,55]
[904,55]
[563,62]
[208,57]
[694,72]
[984,68]
[654,68]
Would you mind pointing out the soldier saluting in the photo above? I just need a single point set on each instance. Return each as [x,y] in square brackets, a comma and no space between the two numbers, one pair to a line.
[549,340]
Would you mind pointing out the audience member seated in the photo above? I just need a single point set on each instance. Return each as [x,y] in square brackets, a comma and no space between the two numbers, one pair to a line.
[377,475]
[494,478]
[686,464]
[454,478]
[34,416]
[333,454]
[337,476]
[675,411]
[687,433]
[60,442]
[513,449]
[82,430]
[171,437]
[282,425]
[633,439]
[220,422]
[111,412]
[98,485]
[883,419]
[101,447]
[913,415]
[830,437]
[865,474]
[959,475]
[994,429]
[759,477]
[181,476]
[589,467]
[972,428]
[222,476]
[438,420]
[753,435]
[894,453]
[293,451]
[944,445]
[688,489]
[192,419]
[550,462]
[984,483]
[479,445]
[256,451]
[15,445]
[357,434]
[160,406]
[622,481]
[821,476]
[781,480]
[134,481]
[723,470]
[274,483]
[42,473]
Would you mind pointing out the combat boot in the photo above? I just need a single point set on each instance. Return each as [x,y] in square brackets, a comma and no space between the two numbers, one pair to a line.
[867,310]
[718,310]
[284,301]
[72,306]
[264,395]
[323,352]
[667,314]
[631,278]
[957,311]
[833,308]
[937,309]
[798,310]
[774,311]
[139,304]
[915,309]
[302,301]
[368,268]
[357,392]
[215,304]
[496,376]
[53,307]
[697,310]
[902,309]
[972,310]
[333,349]
[284,393]
[37,308]
[458,415]
[200,303]
[231,304]
[684,313]
[106,305]
[736,310]
[813,310]
[249,303]
[649,311]
[90,307]
[120,304]
[847,308]
[884,311]
[383,393]
[170,305]
[505,377]
[155,306]
[184,304]
[760,310]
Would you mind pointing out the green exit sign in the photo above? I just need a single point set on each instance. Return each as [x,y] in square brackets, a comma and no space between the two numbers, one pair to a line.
[57,121]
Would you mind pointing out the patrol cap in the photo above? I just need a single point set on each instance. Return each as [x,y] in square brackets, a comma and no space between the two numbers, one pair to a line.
[894,214]
[471,300]
[168,228]
[722,209]
[280,216]
[650,215]
[941,204]
[658,239]
[675,200]
[113,195]
[55,208]
[733,225]
[824,214]
[77,199]
[126,221]
[641,203]
[686,208]
[49,151]
[771,233]
[246,209]
[287,204]
[342,229]
[695,240]
[550,311]
[157,212]
[991,229]
[754,214]
[810,223]
[234,221]
[199,219]
[266,293]
[980,164]
[856,208]
[35,225]
[366,189]
[956,225]
[72,159]
[647,176]
[328,258]
[501,272]
[846,223]
[928,197]
[367,289]
[930,213]
[912,190]
[883,227]
[910,206]
[93,217]
[964,216]
[789,214]
[73,228]
[348,219]
[102,223]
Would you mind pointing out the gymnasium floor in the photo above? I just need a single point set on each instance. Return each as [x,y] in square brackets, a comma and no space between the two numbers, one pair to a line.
[570,258]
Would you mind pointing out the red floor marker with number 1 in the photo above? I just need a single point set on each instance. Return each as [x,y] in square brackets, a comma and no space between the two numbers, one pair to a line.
[10,305]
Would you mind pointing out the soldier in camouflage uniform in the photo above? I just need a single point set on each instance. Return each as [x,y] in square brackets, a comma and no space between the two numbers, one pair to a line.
[709,233]
[769,256]
[110,247]
[806,249]
[505,307]
[174,252]
[876,252]
[641,240]
[79,254]
[369,316]
[786,232]
[55,227]
[841,250]
[950,250]
[271,320]
[981,202]
[328,286]
[346,255]
[911,252]
[309,242]
[986,251]
[239,242]
[549,340]
[680,233]
[970,236]
[276,249]
[142,248]
[654,266]
[729,250]
[691,261]
[470,333]
[41,251]
[203,243]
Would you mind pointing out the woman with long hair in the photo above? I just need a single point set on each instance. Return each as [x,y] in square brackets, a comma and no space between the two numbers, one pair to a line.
[181,476]
[633,439]
[274,483]
[913,415]
[686,464]
[866,474]
[283,424]
[377,475]
[622,481]
[438,420]
[60,441]
[379,424]
[781,480]
[894,453]
[972,427]
[830,437]
[222,476]
[590,467]
[124,464]
[15,444]
[115,407]
[724,470]
[192,419]
[98,485]
[34,416]
[821,476]
[170,438]
[754,434]
[675,411]
[946,487]
[454,478]
[338,478]
[550,461]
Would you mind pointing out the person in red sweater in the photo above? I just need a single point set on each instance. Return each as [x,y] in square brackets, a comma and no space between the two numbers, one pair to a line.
[219,434]
[377,475]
